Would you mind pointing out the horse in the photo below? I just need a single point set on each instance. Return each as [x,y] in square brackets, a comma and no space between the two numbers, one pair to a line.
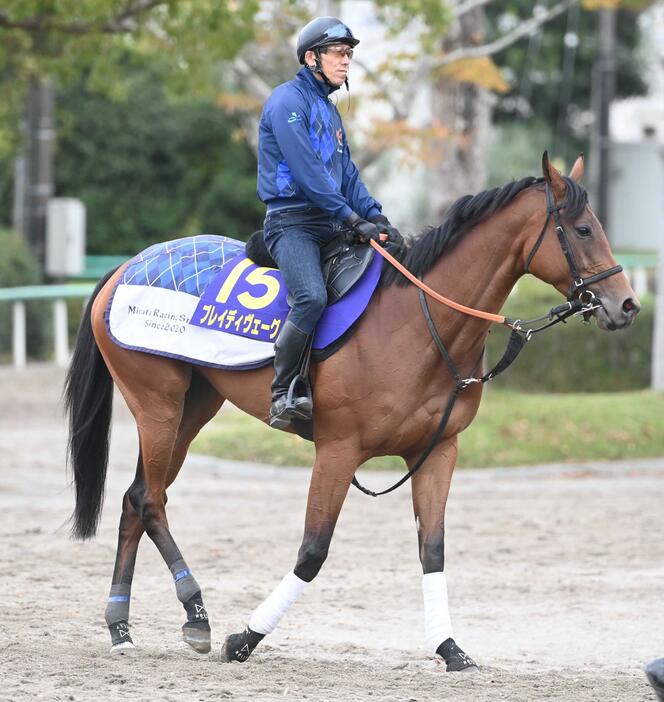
[361,407]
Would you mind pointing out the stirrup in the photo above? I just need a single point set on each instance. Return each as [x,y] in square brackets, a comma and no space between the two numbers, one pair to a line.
[289,406]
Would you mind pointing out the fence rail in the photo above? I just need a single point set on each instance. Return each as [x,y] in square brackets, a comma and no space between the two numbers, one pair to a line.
[58,294]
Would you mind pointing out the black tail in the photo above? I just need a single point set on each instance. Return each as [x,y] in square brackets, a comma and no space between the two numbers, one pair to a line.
[88,404]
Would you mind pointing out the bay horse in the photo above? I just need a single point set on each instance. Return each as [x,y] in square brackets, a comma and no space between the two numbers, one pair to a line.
[361,407]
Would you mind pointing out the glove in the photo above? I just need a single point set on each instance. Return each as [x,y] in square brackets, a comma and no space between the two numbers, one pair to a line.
[363,230]
[383,224]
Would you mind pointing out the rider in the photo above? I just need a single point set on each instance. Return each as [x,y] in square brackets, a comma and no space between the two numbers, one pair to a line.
[311,187]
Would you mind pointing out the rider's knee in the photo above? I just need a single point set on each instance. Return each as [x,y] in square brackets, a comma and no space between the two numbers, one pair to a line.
[314,300]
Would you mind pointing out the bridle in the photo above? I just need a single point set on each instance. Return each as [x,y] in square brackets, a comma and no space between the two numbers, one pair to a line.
[579,288]
[580,301]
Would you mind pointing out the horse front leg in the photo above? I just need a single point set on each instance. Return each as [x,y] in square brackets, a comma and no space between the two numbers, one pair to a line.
[330,480]
[430,489]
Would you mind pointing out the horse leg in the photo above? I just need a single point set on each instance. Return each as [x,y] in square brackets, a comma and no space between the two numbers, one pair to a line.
[430,488]
[331,477]
[201,403]
[129,535]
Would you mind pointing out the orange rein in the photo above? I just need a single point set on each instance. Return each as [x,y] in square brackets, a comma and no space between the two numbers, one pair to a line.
[496,318]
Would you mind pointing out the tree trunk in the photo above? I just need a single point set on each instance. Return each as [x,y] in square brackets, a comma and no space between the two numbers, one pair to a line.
[37,171]
[464,110]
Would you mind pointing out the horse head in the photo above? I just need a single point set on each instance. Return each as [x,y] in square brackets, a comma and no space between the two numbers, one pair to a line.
[571,251]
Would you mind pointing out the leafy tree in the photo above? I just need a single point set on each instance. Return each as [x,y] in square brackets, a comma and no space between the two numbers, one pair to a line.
[541,88]
[64,39]
[106,45]
[150,168]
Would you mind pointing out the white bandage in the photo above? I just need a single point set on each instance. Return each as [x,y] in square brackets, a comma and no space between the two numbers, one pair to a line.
[268,614]
[437,623]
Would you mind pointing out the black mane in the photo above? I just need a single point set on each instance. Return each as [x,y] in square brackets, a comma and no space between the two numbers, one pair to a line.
[422,253]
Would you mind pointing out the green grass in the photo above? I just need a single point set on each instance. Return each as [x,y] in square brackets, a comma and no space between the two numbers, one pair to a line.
[510,429]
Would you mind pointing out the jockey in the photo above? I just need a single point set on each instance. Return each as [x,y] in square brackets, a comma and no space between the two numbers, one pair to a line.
[311,187]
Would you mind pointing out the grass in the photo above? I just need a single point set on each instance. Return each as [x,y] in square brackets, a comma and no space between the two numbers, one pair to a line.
[510,429]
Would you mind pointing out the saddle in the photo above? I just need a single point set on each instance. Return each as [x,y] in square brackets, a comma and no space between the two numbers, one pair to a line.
[343,263]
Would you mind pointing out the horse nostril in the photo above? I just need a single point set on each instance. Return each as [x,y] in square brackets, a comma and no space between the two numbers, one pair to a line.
[630,307]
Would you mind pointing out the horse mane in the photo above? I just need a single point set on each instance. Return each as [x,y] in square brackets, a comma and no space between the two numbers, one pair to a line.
[421,253]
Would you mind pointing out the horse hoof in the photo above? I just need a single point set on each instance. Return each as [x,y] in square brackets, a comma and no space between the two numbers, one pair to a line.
[655,672]
[456,660]
[126,648]
[238,647]
[199,639]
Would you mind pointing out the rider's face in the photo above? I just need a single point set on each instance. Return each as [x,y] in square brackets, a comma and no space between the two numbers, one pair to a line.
[335,60]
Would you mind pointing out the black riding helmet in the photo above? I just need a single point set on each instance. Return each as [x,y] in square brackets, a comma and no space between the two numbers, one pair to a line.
[323,31]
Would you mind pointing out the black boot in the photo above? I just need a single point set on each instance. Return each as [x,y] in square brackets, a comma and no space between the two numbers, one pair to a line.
[289,403]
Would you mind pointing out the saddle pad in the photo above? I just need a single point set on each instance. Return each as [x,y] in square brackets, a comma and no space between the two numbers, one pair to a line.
[200,299]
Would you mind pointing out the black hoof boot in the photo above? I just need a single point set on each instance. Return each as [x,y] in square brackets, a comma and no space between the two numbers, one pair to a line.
[121,643]
[196,630]
[454,657]
[238,647]
[655,672]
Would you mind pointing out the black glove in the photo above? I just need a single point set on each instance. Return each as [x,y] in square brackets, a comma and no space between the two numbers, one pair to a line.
[363,230]
[383,224]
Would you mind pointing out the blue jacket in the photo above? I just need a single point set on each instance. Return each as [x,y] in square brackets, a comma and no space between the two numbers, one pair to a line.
[303,154]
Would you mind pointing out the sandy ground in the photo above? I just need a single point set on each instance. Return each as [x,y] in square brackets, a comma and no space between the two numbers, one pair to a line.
[555,579]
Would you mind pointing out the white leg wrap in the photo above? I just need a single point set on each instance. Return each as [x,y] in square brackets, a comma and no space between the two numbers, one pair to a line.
[437,623]
[267,615]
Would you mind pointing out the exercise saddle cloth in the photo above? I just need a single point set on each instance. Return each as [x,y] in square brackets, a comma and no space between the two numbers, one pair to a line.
[201,299]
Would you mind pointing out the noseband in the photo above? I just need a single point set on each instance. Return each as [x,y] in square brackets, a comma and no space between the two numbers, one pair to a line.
[579,289]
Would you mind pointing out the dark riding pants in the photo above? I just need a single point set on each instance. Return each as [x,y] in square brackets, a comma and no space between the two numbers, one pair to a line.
[294,239]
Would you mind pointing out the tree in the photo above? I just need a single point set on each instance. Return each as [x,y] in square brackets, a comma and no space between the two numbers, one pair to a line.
[41,40]
[149,168]
[550,71]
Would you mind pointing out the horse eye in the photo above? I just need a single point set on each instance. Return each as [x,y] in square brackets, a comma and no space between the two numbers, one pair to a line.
[583,231]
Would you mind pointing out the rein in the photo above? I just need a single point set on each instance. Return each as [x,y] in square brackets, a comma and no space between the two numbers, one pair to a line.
[580,301]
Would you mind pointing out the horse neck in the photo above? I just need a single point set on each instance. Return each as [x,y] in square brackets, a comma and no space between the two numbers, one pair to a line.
[479,272]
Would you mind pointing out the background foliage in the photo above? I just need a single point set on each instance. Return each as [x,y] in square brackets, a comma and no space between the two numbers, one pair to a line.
[150,168]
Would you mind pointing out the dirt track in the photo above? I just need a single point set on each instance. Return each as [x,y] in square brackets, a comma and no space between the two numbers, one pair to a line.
[555,580]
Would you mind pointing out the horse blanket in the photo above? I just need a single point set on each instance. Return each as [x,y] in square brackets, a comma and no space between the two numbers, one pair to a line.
[200,299]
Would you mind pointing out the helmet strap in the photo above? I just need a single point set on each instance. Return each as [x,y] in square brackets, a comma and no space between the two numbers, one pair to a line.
[319,69]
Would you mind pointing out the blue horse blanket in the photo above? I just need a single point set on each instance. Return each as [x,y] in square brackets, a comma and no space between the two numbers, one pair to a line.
[200,299]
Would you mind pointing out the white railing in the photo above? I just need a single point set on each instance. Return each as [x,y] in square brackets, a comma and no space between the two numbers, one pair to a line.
[57,294]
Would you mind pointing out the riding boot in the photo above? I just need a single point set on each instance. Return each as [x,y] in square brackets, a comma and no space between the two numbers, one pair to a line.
[290,349]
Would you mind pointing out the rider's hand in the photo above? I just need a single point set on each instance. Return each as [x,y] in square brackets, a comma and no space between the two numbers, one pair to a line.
[384,225]
[365,231]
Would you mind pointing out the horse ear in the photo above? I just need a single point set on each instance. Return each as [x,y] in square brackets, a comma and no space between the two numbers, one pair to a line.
[577,169]
[553,178]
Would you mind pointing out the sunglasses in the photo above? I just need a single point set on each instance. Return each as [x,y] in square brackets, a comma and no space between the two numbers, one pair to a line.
[338,51]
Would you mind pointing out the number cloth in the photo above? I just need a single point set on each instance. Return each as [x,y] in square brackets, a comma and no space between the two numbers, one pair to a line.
[200,299]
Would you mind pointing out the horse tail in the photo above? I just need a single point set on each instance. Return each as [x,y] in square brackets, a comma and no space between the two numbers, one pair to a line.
[88,396]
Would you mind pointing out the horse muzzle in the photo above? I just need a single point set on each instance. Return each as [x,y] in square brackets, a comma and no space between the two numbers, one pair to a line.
[612,315]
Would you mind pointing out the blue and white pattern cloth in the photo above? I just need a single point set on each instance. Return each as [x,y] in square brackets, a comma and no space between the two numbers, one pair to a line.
[184,265]
[200,299]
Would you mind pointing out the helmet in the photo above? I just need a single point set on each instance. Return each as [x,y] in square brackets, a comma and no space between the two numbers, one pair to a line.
[321,32]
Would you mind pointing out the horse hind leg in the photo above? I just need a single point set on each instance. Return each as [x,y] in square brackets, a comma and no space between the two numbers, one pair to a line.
[129,535]
[201,404]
